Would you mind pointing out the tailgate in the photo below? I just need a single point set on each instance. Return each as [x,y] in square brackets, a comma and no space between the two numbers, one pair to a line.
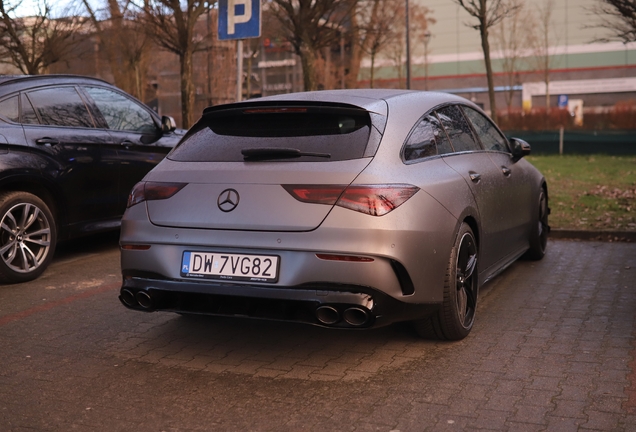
[246,196]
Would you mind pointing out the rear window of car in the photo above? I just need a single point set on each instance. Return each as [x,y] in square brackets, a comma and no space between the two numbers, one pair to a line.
[342,134]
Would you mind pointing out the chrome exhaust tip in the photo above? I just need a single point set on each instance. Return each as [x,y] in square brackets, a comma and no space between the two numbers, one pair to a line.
[144,299]
[355,316]
[327,315]
[128,298]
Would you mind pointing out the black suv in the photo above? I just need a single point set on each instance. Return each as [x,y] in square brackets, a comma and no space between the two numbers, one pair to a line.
[71,149]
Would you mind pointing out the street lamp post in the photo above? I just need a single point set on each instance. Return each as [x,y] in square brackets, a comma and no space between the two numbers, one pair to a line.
[427,38]
[239,70]
[408,48]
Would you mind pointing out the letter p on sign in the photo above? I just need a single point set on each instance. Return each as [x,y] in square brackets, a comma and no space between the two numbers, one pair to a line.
[239,19]
[233,17]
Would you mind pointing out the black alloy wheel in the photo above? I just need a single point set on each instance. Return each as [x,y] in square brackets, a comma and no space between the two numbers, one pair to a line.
[538,241]
[466,281]
[456,314]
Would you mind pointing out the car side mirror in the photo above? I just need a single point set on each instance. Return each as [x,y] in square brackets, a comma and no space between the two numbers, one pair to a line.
[519,148]
[168,124]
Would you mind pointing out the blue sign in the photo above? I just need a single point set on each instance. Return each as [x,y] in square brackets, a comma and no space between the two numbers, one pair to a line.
[239,19]
[562,101]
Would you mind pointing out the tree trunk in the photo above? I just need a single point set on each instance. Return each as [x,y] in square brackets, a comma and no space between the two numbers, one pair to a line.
[248,79]
[355,56]
[31,69]
[308,61]
[187,89]
[489,76]
[546,78]
[372,69]
[111,44]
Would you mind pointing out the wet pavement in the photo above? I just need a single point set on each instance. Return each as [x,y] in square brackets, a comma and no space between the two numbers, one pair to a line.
[553,348]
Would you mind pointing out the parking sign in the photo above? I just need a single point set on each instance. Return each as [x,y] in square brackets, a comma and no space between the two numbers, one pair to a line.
[239,19]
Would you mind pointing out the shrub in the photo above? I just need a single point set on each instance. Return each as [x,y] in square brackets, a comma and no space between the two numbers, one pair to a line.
[622,116]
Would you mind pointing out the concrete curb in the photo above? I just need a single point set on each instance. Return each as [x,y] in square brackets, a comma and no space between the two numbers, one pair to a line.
[608,236]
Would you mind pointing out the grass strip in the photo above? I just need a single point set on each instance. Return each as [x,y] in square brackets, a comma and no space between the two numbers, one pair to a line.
[590,192]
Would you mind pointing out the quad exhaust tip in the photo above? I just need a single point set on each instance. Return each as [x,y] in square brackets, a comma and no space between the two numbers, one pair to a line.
[128,298]
[354,316]
[327,315]
[138,299]
[144,299]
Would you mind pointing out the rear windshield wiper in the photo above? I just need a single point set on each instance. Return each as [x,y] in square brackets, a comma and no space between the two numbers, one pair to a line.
[265,153]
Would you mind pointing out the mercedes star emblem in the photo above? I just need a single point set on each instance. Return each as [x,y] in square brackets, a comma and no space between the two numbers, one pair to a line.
[228,200]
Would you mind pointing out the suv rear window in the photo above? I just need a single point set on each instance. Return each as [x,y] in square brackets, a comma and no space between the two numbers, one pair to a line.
[342,133]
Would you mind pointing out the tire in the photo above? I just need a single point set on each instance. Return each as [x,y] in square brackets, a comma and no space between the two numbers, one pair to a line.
[27,237]
[456,314]
[540,229]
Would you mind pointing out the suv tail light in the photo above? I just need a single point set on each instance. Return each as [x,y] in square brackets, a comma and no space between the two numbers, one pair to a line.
[374,200]
[148,191]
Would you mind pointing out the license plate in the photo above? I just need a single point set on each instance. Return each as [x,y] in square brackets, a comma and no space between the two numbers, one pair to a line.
[237,267]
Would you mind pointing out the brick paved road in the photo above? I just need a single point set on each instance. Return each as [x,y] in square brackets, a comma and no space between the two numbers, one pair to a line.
[553,349]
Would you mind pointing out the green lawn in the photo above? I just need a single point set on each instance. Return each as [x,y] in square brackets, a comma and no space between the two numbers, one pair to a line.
[595,192]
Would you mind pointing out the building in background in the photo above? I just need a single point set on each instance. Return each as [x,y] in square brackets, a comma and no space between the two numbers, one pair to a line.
[581,68]
[584,74]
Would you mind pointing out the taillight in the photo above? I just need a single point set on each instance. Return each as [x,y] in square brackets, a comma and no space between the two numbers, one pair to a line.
[316,194]
[148,191]
[374,200]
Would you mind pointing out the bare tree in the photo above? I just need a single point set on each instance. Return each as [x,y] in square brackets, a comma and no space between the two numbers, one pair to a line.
[618,16]
[32,44]
[513,38]
[125,43]
[170,23]
[542,42]
[352,62]
[419,21]
[488,14]
[310,26]
[395,48]
[395,51]
[376,31]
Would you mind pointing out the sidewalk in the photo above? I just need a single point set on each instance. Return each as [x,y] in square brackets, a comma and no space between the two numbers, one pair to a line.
[622,236]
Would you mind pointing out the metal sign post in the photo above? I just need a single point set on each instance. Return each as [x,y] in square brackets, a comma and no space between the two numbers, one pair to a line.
[238,20]
[408,48]
[239,70]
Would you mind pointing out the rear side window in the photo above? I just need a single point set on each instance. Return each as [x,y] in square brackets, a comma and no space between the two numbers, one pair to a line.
[427,139]
[9,109]
[61,106]
[342,134]
[458,130]
[486,131]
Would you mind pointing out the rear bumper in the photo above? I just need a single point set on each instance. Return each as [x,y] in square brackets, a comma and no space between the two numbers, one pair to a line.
[409,256]
[327,305]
